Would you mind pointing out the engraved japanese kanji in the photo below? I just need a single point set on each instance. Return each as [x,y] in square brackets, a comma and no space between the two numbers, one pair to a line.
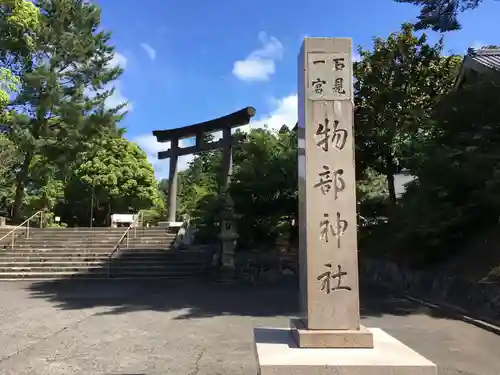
[337,228]
[338,137]
[326,278]
[330,180]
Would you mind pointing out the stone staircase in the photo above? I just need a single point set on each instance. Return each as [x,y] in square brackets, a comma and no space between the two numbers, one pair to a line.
[88,253]
[7,241]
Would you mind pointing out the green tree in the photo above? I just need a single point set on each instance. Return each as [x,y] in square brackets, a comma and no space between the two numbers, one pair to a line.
[441,15]
[9,84]
[10,159]
[65,79]
[117,176]
[199,182]
[397,85]
[264,187]
[455,194]
[19,23]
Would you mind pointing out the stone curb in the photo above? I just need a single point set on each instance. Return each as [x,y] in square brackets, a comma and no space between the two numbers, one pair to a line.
[455,311]
[458,312]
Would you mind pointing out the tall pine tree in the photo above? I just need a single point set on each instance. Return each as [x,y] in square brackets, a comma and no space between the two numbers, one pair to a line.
[65,81]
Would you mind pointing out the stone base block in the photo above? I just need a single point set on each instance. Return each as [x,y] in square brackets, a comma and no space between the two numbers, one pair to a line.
[319,338]
[278,354]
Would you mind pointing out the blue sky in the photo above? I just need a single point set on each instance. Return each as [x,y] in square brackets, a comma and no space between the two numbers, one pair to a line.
[190,61]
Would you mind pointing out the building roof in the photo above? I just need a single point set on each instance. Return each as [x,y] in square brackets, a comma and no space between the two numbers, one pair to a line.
[489,57]
[482,61]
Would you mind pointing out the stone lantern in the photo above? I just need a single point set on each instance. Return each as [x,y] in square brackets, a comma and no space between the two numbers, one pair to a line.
[228,231]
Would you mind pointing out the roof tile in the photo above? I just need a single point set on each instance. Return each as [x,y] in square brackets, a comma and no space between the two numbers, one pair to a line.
[488,57]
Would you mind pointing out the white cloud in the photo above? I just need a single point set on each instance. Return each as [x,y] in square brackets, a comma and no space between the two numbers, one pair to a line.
[260,63]
[118,60]
[477,44]
[117,97]
[149,50]
[356,56]
[284,113]
[151,147]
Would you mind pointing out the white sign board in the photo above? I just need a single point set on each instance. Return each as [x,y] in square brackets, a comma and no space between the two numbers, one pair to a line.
[122,218]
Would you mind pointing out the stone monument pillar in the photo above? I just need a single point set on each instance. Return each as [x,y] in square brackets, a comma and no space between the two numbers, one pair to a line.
[328,338]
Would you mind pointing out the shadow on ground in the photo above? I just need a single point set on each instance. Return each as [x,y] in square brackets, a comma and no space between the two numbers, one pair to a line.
[199,298]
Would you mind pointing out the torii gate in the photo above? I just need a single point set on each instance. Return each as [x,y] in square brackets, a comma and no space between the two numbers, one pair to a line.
[224,124]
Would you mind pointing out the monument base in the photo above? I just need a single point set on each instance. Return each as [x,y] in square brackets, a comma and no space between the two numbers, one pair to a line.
[322,338]
[278,354]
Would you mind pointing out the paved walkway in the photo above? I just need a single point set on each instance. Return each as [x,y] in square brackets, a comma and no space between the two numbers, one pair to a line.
[190,328]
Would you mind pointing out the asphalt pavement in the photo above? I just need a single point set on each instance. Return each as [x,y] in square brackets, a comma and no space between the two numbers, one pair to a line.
[197,328]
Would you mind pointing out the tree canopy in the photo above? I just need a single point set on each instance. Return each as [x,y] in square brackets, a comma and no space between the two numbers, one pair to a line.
[56,75]
[441,15]
[397,84]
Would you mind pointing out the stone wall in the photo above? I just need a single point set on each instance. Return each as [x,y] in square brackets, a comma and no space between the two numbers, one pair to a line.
[479,299]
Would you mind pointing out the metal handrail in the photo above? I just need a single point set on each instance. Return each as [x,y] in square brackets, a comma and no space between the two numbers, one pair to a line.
[124,236]
[27,222]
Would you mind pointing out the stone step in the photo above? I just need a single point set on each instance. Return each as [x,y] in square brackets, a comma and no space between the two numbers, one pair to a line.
[96,234]
[72,231]
[121,258]
[86,260]
[14,261]
[15,276]
[126,254]
[125,261]
[83,240]
[76,247]
[152,239]
[82,245]
[97,252]
[87,249]
[65,237]
[84,229]
[92,253]
[104,268]
[79,229]
[33,264]
[33,233]
[92,262]
[86,235]
[63,243]
[45,250]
